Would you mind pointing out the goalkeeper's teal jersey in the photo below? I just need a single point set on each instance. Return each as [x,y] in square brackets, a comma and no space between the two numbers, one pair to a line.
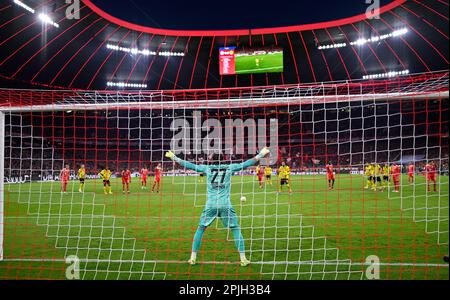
[218,180]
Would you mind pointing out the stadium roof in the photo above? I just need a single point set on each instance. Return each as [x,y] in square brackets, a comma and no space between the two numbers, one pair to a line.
[409,35]
[207,15]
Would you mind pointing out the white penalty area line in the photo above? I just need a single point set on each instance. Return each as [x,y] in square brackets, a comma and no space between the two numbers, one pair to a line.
[68,217]
[296,263]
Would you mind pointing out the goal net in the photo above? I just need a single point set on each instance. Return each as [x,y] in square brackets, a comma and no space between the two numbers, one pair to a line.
[303,223]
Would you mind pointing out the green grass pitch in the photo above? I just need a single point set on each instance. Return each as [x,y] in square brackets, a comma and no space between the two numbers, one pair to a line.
[146,235]
[269,63]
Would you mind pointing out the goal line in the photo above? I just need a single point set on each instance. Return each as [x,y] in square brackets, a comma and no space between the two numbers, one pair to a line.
[307,263]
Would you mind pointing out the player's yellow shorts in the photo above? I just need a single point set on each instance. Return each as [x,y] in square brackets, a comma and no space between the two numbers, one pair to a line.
[284,181]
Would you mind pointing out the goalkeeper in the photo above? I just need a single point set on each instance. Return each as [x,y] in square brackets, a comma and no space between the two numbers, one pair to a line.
[218,204]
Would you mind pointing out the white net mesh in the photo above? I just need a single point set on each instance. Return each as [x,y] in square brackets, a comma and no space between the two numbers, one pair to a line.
[313,232]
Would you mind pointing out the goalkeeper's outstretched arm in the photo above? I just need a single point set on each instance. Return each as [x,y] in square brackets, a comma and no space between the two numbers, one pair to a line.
[250,162]
[186,164]
[234,168]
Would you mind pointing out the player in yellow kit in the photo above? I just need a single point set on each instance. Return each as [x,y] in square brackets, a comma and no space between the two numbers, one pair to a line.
[377,177]
[368,171]
[284,174]
[81,177]
[105,174]
[268,173]
[386,176]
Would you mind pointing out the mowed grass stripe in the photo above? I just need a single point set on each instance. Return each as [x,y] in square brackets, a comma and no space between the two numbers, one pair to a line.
[164,224]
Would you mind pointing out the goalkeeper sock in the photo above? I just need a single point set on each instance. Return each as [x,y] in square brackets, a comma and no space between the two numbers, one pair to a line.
[242,256]
[194,255]
[198,239]
[239,240]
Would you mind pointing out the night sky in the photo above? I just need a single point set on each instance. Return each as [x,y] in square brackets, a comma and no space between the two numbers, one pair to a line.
[223,14]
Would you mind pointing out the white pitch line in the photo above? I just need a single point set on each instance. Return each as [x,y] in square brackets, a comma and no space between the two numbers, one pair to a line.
[331,263]
[442,218]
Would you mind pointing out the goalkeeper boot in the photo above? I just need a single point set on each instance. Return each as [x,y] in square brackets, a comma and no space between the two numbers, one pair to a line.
[192,261]
[245,262]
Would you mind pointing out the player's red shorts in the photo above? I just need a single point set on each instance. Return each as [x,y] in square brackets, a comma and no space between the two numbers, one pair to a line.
[330,177]
[260,178]
[396,179]
[411,174]
[64,181]
[144,178]
[431,177]
[125,181]
[158,179]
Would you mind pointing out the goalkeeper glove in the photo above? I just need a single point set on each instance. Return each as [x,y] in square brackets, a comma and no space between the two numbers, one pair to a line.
[170,154]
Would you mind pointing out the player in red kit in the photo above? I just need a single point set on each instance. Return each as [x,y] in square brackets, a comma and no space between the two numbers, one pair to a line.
[64,176]
[157,181]
[411,173]
[396,173]
[330,176]
[430,169]
[126,179]
[144,174]
[260,175]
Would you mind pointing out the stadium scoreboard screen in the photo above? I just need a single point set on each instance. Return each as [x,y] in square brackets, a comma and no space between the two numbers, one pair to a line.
[250,61]
[227,60]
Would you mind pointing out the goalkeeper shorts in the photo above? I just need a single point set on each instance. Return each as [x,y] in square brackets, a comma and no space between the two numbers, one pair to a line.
[226,214]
